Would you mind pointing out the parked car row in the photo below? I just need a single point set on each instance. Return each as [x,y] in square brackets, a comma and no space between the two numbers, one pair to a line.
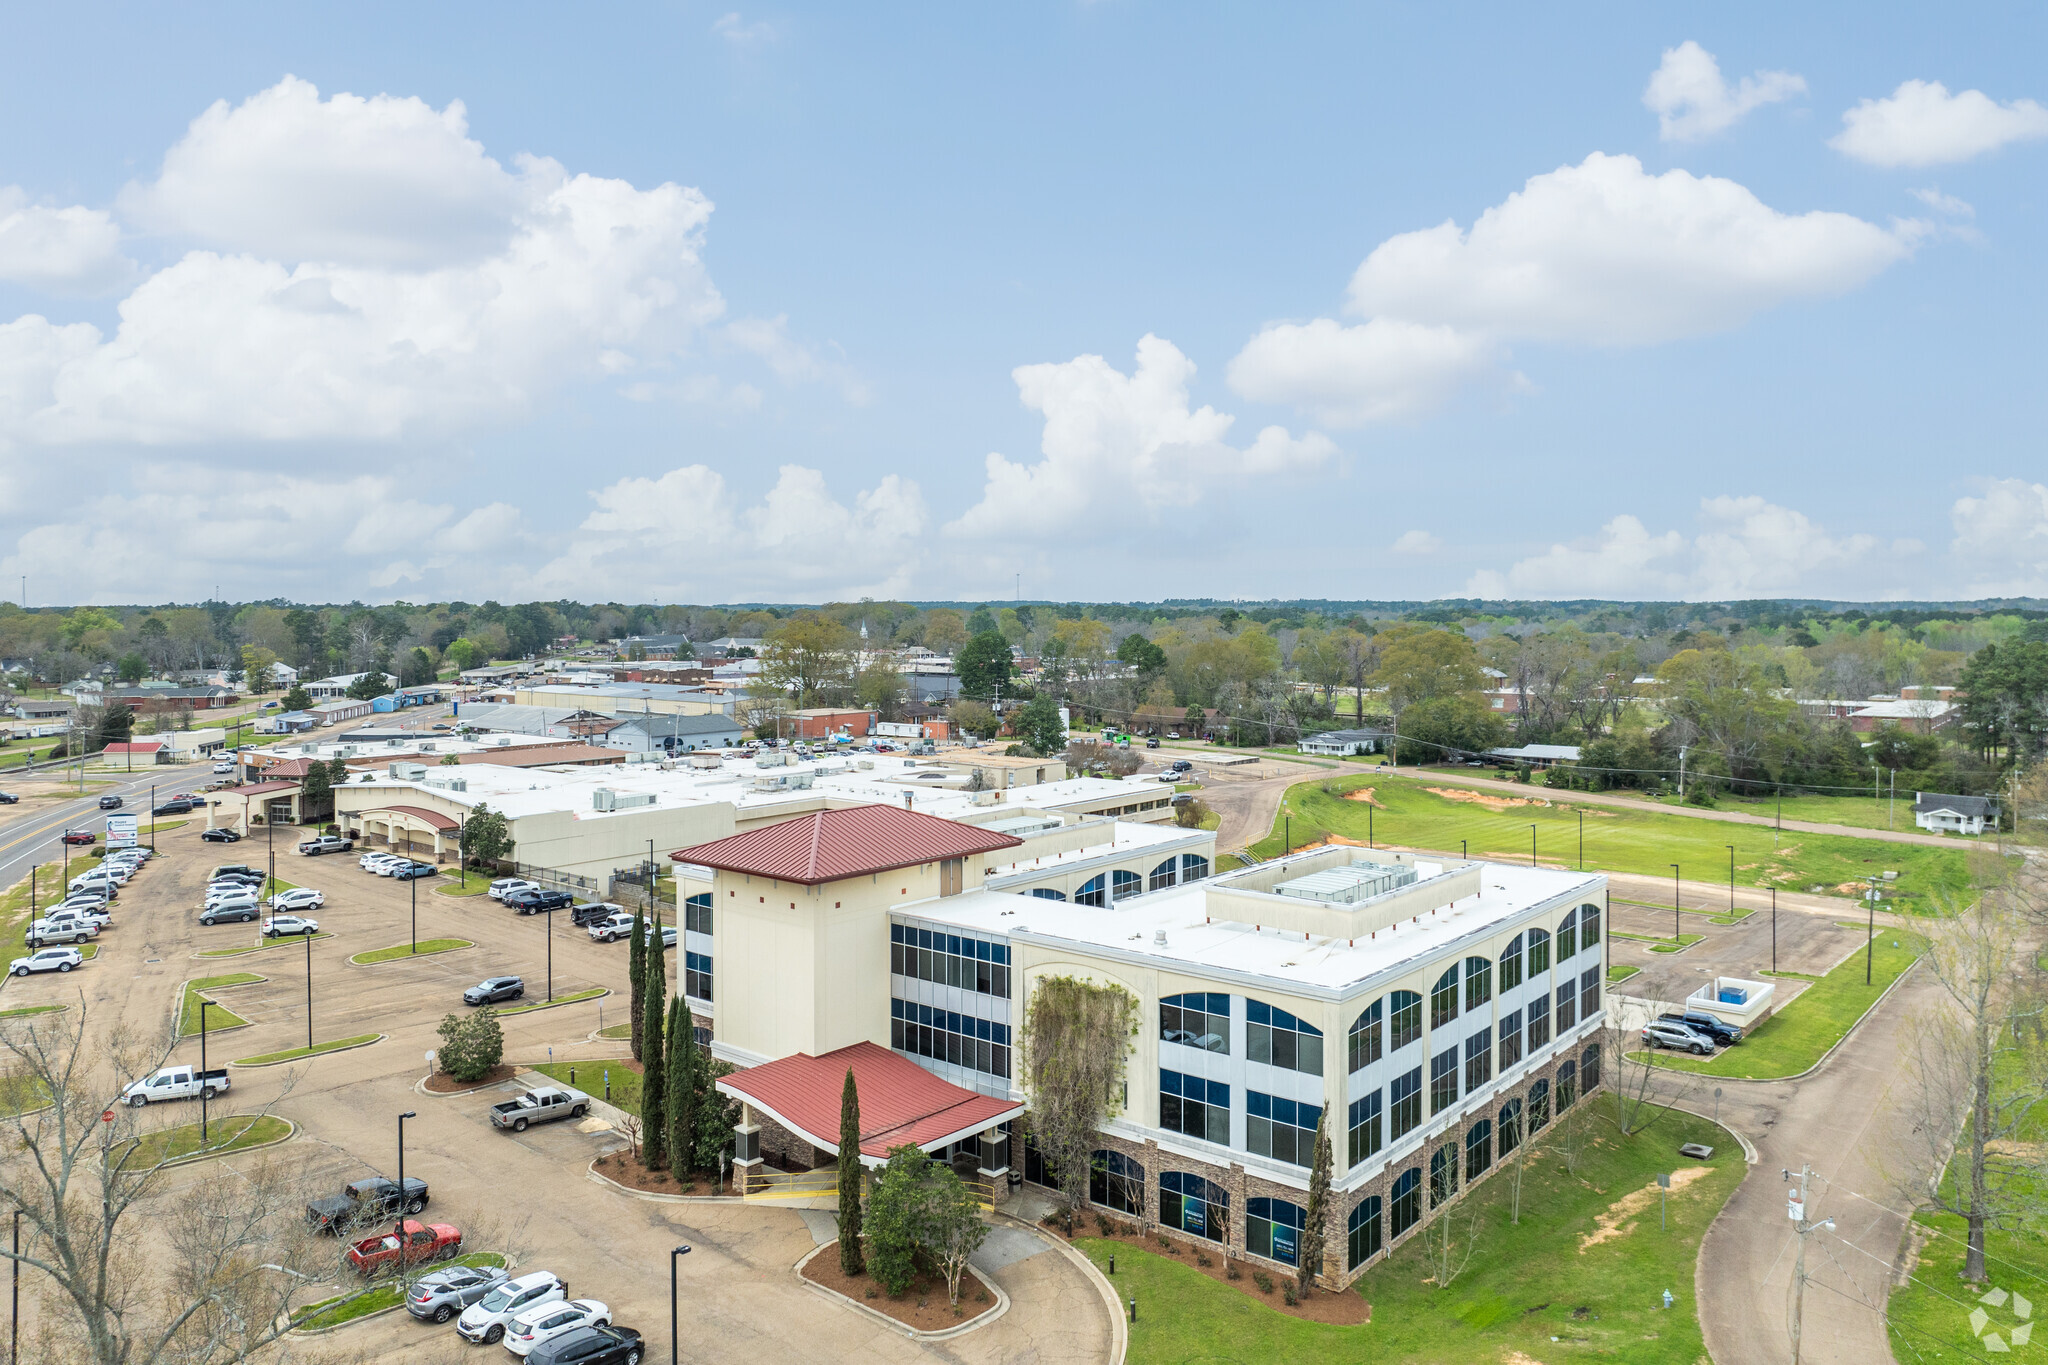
[391,865]
[1693,1031]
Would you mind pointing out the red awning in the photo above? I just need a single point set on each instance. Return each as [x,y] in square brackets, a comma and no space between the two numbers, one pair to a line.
[899,1100]
[433,819]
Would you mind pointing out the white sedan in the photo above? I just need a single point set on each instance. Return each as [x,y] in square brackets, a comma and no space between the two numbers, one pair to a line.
[277,926]
[298,898]
[545,1321]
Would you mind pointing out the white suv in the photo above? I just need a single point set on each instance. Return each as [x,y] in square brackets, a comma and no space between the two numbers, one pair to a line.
[505,886]
[48,960]
[486,1319]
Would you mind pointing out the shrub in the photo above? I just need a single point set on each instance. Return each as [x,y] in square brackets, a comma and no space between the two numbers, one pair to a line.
[1202,1260]
[1101,1225]
[1287,1295]
[1231,1272]
[471,1047]
[1263,1281]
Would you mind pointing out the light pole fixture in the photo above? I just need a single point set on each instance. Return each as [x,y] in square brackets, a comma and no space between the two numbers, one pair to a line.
[309,988]
[1532,845]
[1582,838]
[1675,934]
[414,882]
[402,1201]
[674,1326]
[204,1091]
[1731,877]
[152,817]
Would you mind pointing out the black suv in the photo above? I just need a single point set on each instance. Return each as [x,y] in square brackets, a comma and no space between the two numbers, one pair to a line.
[539,902]
[589,1346]
[1724,1035]
[173,808]
[584,916]
[362,1201]
[110,803]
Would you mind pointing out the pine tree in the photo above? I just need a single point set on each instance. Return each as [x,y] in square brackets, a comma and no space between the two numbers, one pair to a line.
[1318,1213]
[636,965]
[682,1100]
[850,1260]
[654,1071]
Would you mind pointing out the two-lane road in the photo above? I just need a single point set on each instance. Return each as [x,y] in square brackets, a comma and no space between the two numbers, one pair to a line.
[32,832]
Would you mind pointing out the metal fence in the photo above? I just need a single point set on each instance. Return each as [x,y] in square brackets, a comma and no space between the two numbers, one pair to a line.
[555,880]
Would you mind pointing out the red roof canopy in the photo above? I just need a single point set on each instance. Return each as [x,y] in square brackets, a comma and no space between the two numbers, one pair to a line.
[835,844]
[899,1100]
[432,818]
[137,747]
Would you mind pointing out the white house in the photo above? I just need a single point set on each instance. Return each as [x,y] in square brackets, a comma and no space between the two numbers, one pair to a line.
[1343,743]
[1954,814]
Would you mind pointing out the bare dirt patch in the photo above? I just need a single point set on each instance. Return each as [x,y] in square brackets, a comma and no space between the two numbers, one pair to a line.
[1486,799]
[1614,1223]
[626,1168]
[1514,1357]
[441,1083]
[1365,794]
[923,1307]
[1343,1308]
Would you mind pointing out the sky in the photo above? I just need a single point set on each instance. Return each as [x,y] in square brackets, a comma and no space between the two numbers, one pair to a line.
[1073,301]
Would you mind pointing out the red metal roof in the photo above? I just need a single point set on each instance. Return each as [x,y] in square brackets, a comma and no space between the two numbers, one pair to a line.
[255,788]
[835,844]
[138,747]
[433,818]
[899,1100]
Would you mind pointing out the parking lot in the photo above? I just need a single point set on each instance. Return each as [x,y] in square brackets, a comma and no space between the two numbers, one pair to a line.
[528,1192]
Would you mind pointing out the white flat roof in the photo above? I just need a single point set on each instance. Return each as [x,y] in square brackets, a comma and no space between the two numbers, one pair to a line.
[1223,949]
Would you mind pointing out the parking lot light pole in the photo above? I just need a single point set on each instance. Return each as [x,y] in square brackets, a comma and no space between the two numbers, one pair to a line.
[1532,845]
[152,817]
[415,883]
[203,1091]
[548,921]
[1582,838]
[1731,877]
[1675,934]
[309,988]
[674,1325]
[408,1114]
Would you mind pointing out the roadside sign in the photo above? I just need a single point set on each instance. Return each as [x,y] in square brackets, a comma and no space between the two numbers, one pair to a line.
[121,831]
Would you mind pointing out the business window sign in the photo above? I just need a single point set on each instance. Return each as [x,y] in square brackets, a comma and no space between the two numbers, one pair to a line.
[121,831]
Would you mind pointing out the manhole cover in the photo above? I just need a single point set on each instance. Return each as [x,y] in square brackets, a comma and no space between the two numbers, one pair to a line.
[1696,1149]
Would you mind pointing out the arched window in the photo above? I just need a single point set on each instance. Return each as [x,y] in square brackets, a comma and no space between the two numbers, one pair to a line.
[1192,1204]
[1196,1019]
[697,913]
[1443,999]
[1046,893]
[1277,1038]
[1163,875]
[1589,925]
[1567,940]
[1095,891]
[1443,1174]
[1116,1182]
[1539,952]
[1511,965]
[1124,885]
[1567,1085]
[1478,982]
[1272,1228]
[1193,867]
[1405,1206]
[1539,1106]
[1589,1069]
[1362,1232]
[1368,1035]
[1478,1149]
[1404,1019]
[1510,1127]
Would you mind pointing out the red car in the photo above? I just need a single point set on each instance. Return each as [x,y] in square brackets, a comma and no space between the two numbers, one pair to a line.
[80,836]
[415,1242]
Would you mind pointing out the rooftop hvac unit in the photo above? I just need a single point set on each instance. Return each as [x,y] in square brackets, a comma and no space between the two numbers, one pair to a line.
[604,798]
[704,760]
[407,772]
[449,784]
[1349,885]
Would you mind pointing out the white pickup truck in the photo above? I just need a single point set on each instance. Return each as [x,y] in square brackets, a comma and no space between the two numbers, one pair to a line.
[177,1083]
[544,1105]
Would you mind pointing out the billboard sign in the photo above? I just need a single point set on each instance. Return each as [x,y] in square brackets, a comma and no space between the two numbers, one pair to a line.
[120,831]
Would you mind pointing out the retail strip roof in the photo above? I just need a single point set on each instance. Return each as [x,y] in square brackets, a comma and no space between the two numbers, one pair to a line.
[899,1100]
[831,845]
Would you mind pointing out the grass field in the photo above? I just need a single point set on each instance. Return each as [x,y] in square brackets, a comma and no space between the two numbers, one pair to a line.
[1534,1292]
[1410,815]
[590,1080]
[424,948]
[342,1309]
[1860,811]
[293,1054]
[1799,1035]
[227,1133]
[20,1092]
[217,1017]
[27,1010]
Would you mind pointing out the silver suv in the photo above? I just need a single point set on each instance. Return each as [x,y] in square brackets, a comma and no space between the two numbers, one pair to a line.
[1663,1033]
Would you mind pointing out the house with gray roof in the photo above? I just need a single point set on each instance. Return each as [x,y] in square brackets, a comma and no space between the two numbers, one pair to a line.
[1946,814]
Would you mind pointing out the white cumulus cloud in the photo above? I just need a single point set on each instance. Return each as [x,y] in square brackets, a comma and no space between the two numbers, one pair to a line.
[2001,539]
[1380,370]
[1922,124]
[1417,542]
[1747,547]
[1692,100]
[70,250]
[1130,437]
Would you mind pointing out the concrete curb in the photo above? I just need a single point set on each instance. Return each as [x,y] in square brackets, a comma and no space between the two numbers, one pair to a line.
[1824,1058]
[350,961]
[234,954]
[1749,1152]
[178,1004]
[291,1131]
[552,1004]
[1120,1331]
[1002,1304]
[511,1266]
[651,1197]
[371,1042]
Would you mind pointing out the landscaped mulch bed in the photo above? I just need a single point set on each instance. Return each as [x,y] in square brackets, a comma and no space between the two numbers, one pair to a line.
[441,1083]
[625,1168]
[1344,1307]
[923,1307]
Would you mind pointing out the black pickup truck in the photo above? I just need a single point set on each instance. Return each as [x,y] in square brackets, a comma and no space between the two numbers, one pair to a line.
[363,1201]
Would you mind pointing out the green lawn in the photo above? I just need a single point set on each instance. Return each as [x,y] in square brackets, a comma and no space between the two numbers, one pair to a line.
[616,1031]
[349,1308]
[1618,974]
[478,885]
[265,946]
[293,1054]
[224,1133]
[33,751]
[21,1091]
[216,1017]
[424,948]
[545,1004]
[1859,811]
[590,1080]
[1616,840]
[32,1009]
[1526,1285]
[1797,1036]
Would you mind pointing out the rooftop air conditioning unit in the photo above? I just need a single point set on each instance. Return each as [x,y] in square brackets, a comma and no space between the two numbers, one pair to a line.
[604,798]
[407,772]
[449,784]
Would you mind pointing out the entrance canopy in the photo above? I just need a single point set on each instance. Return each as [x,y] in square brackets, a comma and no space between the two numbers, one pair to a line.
[899,1100]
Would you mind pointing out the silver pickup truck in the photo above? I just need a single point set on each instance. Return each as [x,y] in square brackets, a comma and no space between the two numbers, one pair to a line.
[544,1105]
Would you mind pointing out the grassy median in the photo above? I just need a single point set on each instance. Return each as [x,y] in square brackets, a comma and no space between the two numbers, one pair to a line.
[294,1054]
[218,1017]
[224,1134]
[344,1309]
[424,948]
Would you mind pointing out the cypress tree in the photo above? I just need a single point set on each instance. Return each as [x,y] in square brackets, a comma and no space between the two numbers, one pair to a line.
[1318,1213]
[682,1100]
[654,1068]
[636,963]
[850,1260]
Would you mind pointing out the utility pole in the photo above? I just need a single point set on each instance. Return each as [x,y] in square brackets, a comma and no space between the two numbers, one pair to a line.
[1795,1209]
[1731,879]
[1870,941]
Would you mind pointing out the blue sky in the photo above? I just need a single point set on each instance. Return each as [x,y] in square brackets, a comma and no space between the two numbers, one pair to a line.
[782,281]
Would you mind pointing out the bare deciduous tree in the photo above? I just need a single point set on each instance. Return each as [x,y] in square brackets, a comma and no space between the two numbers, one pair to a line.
[1449,1241]
[1643,1091]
